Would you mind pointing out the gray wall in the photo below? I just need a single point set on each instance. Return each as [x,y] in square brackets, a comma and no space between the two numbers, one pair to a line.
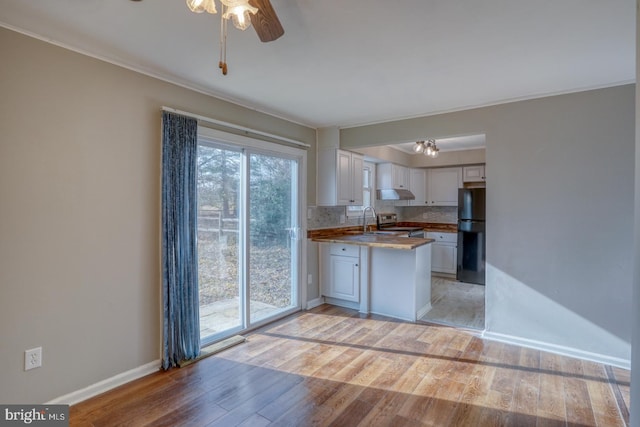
[560,214]
[80,213]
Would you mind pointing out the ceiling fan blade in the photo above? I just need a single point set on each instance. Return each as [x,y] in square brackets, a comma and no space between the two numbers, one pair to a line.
[265,21]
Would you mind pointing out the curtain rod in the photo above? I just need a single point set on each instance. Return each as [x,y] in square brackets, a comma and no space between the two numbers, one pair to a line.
[234,126]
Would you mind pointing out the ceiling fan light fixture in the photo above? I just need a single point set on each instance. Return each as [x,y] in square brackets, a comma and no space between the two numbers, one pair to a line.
[241,13]
[238,11]
[199,6]
[419,147]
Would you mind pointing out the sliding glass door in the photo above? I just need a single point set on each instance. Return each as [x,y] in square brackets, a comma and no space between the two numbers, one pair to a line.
[272,236]
[248,240]
[219,243]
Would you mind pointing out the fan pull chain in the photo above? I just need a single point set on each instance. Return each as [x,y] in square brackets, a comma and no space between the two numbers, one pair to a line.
[223,42]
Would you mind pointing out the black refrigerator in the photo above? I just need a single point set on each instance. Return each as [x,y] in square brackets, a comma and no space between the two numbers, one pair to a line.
[471,235]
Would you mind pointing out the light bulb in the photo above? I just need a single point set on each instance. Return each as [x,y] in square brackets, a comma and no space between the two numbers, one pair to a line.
[199,6]
[241,20]
[239,11]
[429,150]
[419,147]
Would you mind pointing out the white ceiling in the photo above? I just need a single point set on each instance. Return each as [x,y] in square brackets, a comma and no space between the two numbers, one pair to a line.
[344,63]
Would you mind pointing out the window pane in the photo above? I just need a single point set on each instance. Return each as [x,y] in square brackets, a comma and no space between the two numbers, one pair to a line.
[353,211]
[218,246]
[271,254]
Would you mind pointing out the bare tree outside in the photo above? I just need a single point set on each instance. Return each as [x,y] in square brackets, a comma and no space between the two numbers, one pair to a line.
[269,251]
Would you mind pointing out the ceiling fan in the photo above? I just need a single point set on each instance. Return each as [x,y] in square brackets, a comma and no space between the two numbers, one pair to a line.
[243,13]
[265,21]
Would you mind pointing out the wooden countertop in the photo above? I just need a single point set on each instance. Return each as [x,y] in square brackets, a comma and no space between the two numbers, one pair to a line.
[432,226]
[375,240]
[354,229]
[351,229]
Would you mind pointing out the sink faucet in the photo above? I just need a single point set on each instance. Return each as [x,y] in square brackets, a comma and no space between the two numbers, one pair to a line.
[364,217]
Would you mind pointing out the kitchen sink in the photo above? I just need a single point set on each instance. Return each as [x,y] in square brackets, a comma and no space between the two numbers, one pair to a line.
[371,233]
[387,233]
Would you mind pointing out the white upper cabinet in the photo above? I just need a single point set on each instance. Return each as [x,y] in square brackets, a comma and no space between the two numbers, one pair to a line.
[418,186]
[473,173]
[443,184]
[340,178]
[392,176]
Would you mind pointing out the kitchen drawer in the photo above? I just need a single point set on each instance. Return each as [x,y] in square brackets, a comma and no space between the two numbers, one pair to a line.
[344,250]
[443,237]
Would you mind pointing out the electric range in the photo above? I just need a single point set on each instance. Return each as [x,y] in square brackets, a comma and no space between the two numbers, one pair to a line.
[389,221]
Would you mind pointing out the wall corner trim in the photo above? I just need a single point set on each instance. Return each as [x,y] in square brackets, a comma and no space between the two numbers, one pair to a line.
[315,303]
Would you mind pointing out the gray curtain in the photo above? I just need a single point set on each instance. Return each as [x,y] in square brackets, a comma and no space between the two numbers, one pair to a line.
[181,328]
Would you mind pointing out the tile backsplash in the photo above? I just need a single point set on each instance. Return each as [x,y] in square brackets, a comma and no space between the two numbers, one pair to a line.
[437,214]
[330,216]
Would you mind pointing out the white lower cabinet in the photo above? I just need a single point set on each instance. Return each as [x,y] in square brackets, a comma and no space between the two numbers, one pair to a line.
[344,278]
[378,280]
[340,271]
[444,252]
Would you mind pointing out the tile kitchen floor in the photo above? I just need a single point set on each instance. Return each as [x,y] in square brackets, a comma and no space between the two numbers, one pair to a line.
[456,303]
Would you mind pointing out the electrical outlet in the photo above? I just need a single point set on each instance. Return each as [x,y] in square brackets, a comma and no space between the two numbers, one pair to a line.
[32,358]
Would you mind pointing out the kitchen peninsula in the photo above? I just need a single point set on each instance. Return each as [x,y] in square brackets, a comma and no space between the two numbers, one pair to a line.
[377,273]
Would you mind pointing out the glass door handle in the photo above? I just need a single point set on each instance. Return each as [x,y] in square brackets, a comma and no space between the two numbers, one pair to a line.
[294,233]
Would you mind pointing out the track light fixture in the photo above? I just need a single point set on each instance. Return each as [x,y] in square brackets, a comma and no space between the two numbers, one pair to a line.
[428,148]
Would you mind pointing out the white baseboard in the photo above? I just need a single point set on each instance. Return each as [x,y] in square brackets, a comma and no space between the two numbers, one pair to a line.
[106,385]
[558,349]
[315,303]
[342,303]
[423,311]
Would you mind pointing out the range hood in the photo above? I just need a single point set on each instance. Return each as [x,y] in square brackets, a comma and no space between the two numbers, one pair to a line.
[395,194]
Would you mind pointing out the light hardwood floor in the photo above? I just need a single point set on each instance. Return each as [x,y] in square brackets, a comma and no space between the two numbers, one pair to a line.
[332,366]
